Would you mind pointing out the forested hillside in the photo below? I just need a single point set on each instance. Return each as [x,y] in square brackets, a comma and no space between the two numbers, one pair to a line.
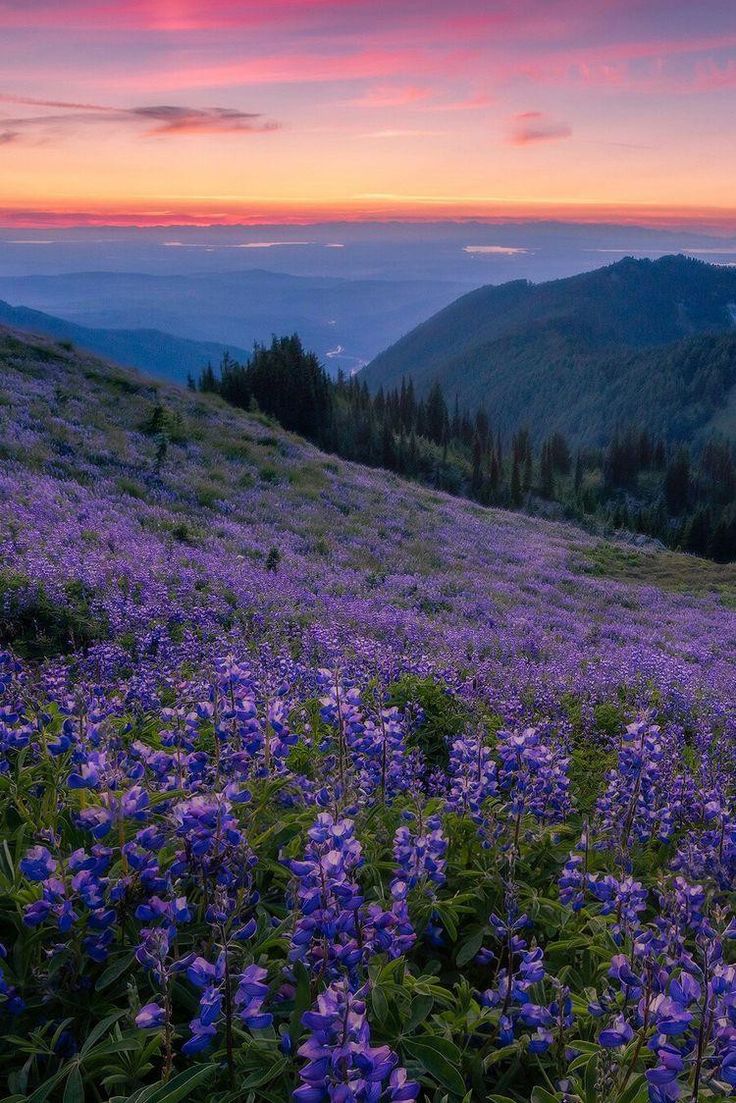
[640,481]
[641,341]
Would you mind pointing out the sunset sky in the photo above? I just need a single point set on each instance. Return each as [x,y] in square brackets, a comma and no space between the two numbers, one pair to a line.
[176,111]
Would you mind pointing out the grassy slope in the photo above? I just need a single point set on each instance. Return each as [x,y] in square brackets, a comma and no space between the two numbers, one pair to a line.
[381,552]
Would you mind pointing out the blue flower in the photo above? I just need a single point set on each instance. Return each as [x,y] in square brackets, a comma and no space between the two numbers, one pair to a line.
[38,864]
[150,1015]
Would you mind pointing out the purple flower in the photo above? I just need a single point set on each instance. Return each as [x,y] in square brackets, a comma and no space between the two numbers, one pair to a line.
[341,1064]
[619,1033]
[38,864]
[150,1015]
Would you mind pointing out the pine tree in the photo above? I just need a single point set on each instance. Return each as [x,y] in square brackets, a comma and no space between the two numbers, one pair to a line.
[476,479]
[436,414]
[677,482]
[388,447]
[526,481]
[546,472]
[516,495]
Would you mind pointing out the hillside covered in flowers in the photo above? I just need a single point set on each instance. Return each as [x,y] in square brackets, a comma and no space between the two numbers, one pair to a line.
[317,785]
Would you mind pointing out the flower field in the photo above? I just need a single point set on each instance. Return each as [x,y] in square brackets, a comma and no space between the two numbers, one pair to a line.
[317,785]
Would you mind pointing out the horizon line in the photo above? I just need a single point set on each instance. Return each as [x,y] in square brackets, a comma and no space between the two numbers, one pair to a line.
[147,214]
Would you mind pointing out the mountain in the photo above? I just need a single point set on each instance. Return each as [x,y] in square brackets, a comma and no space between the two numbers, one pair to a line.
[639,340]
[150,350]
[344,321]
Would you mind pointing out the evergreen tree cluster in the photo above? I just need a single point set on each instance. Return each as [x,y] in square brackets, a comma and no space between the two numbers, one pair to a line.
[638,482]
[283,380]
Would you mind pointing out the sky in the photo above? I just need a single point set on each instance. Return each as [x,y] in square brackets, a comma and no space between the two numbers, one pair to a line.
[163,112]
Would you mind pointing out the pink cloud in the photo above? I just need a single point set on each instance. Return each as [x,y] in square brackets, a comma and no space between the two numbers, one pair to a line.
[300,213]
[29,101]
[299,68]
[471,103]
[535,126]
[391,96]
[160,120]
[419,98]
[165,15]
[181,16]
[661,65]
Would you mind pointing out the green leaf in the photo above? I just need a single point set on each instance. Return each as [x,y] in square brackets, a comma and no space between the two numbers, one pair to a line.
[379,1004]
[265,1076]
[181,1086]
[159,798]
[98,1031]
[448,921]
[113,972]
[636,1092]
[131,1044]
[591,1073]
[541,1095]
[43,1091]
[500,1054]
[420,1008]
[440,1058]
[583,1046]
[302,999]
[580,1062]
[469,948]
[74,1090]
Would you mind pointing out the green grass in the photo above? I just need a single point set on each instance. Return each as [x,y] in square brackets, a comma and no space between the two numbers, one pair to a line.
[671,571]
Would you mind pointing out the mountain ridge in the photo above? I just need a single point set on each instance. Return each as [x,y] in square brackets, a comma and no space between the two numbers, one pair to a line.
[346,322]
[147,350]
[496,346]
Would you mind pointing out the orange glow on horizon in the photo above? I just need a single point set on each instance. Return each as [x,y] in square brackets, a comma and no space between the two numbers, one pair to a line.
[148,214]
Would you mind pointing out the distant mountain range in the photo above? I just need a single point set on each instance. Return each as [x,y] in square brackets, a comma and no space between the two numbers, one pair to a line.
[651,342]
[150,350]
[346,322]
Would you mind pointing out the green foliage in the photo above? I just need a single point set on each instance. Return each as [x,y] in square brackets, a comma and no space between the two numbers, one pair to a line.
[164,424]
[131,487]
[609,718]
[591,755]
[39,626]
[425,1005]
[440,716]
[589,762]
[677,573]
[208,494]
[283,380]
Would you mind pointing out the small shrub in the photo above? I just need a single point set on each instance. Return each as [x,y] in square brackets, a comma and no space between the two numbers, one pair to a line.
[441,716]
[269,474]
[36,626]
[131,488]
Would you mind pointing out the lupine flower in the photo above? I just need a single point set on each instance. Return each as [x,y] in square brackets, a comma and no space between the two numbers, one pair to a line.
[341,1064]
